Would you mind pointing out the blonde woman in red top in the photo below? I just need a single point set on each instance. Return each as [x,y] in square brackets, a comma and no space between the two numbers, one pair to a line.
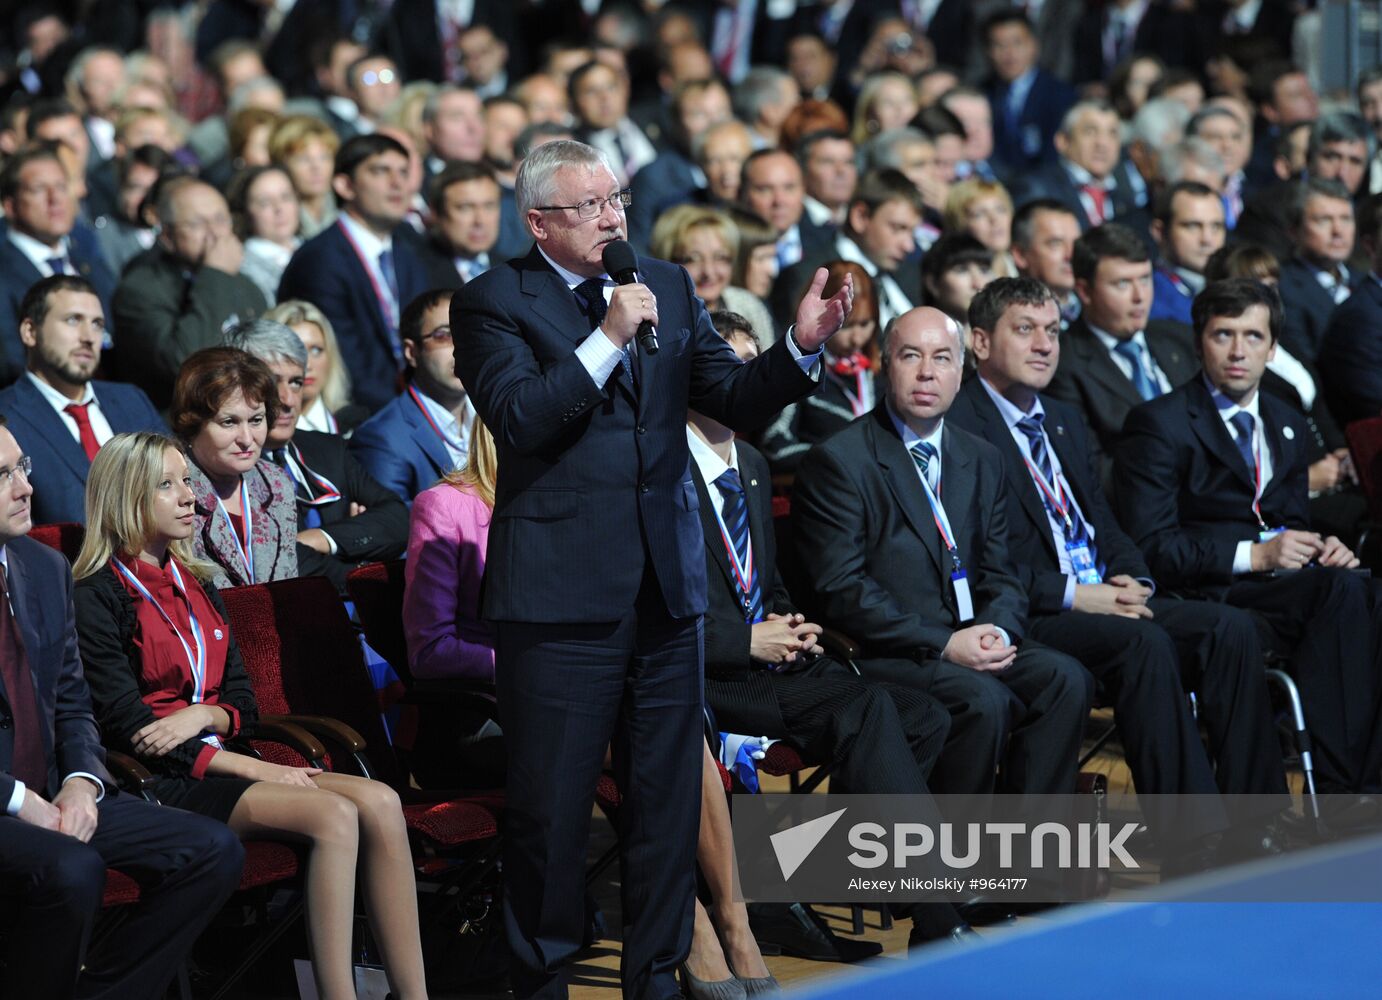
[169,686]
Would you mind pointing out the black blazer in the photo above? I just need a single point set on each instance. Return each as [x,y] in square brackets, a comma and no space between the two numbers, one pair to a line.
[326,272]
[1185,494]
[106,613]
[597,476]
[870,548]
[40,585]
[1351,356]
[1032,143]
[1308,308]
[1029,529]
[1089,380]
[787,439]
[1170,35]
[43,435]
[1051,180]
[727,635]
[379,532]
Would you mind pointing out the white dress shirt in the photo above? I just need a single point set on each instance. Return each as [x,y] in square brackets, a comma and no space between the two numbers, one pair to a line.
[892,302]
[40,253]
[100,426]
[317,418]
[371,246]
[1149,364]
[455,434]
[712,467]
[16,801]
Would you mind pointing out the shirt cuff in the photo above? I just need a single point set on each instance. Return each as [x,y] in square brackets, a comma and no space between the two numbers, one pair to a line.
[330,542]
[1242,557]
[598,356]
[100,785]
[204,756]
[234,714]
[1007,639]
[1068,601]
[16,802]
[1147,582]
[809,363]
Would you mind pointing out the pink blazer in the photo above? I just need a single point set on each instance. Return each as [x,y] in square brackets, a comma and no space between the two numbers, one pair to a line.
[447,540]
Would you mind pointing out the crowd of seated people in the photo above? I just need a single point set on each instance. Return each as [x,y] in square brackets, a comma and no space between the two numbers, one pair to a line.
[1114,268]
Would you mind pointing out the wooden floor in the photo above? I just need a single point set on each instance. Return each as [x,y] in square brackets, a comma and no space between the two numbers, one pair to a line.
[596,976]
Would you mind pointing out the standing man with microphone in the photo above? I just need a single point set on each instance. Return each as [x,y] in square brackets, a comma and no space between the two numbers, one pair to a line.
[596,583]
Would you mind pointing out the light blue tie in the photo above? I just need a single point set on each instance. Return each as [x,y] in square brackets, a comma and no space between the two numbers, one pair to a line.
[1146,386]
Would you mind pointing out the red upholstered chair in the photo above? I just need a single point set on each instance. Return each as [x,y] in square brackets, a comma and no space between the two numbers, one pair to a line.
[66,537]
[1365,444]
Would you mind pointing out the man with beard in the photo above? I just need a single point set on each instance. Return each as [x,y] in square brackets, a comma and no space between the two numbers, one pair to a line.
[60,415]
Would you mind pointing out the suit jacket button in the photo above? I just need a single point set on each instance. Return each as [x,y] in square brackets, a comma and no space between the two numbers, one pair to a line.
[643,487]
[4,723]
[642,429]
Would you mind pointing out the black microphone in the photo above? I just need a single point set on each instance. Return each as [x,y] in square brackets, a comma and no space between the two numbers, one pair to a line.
[621,262]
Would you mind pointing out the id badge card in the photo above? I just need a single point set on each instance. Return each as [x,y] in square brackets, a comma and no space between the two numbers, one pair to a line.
[1267,534]
[963,601]
[1083,563]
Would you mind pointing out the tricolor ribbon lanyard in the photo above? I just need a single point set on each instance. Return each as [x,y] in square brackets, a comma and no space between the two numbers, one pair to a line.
[196,652]
[858,399]
[959,579]
[386,303]
[422,408]
[1179,282]
[743,572]
[1076,546]
[245,547]
[305,477]
[1265,534]
[332,426]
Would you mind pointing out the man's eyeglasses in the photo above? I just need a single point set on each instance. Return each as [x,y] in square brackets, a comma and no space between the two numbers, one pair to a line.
[593,207]
[372,78]
[441,335]
[24,467]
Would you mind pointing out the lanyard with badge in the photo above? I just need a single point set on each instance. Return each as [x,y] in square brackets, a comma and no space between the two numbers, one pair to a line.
[1264,534]
[196,650]
[743,571]
[325,490]
[959,579]
[1076,544]
[245,547]
[387,306]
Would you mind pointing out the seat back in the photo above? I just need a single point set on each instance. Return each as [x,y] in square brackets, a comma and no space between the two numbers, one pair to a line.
[1365,444]
[65,536]
[303,656]
[377,590]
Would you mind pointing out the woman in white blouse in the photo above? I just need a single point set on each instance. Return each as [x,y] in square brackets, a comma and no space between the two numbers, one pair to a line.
[265,208]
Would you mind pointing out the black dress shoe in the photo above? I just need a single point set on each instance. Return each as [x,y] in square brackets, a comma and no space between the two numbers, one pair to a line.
[959,934]
[799,931]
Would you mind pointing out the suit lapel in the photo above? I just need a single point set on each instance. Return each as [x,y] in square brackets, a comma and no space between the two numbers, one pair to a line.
[1171,358]
[901,474]
[551,299]
[995,430]
[710,528]
[432,446]
[957,487]
[1103,370]
[1213,434]
[48,425]
[1284,448]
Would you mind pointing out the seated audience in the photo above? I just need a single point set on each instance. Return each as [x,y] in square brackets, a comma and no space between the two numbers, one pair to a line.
[1228,133]
[306,147]
[1027,101]
[224,403]
[755,265]
[180,296]
[1188,227]
[706,243]
[1351,352]
[1085,177]
[1317,278]
[830,172]
[1043,237]
[719,152]
[1185,472]
[40,240]
[848,374]
[881,542]
[600,99]
[344,516]
[886,101]
[326,404]
[126,232]
[465,202]
[264,207]
[773,189]
[423,434]
[361,272]
[143,601]
[984,210]
[953,271]
[59,412]
[64,821]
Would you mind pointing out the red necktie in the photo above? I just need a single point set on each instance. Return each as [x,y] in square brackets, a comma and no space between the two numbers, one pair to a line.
[77,411]
[30,763]
[1099,197]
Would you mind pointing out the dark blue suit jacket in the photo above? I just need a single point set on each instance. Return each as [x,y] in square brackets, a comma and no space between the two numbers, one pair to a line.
[1307,308]
[1350,360]
[1171,298]
[326,272]
[665,182]
[594,480]
[1031,143]
[400,450]
[40,584]
[18,274]
[1051,180]
[60,465]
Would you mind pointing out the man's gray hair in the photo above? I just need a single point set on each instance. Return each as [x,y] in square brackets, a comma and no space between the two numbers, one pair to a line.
[1192,150]
[536,184]
[699,142]
[432,105]
[1159,123]
[240,97]
[1338,126]
[269,341]
[761,86]
[886,337]
[1077,110]
[884,149]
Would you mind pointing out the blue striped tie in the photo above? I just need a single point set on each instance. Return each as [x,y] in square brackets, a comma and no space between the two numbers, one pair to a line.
[923,454]
[736,518]
[1031,428]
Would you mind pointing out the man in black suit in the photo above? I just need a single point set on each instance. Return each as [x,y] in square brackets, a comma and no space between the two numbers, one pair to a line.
[1028,102]
[61,415]
[360,272]
[1112,358]
[773,188]
[1111,32]
[878,235]
[598,584]
[1085,177]
[344,517]
[900,522]
[465,201]
[62,821]
[1090,592]
[1350,361]
[1043,240]
[764,674]
[1212,486]
[40,216]
[1317,278]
